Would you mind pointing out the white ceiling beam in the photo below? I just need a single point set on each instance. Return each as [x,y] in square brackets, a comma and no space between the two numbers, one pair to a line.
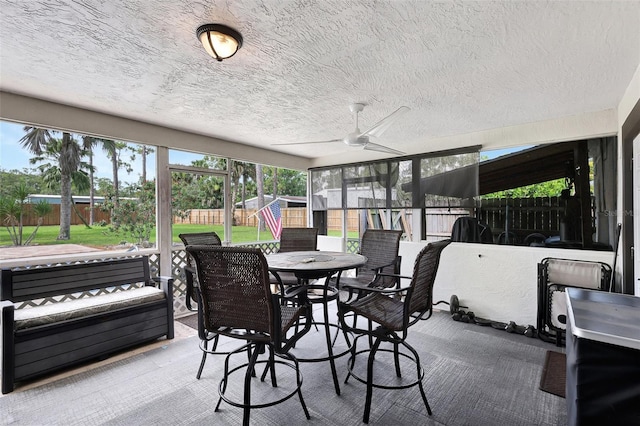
[51,115]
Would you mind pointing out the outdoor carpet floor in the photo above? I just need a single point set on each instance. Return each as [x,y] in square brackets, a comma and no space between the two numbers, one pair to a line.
[554,373]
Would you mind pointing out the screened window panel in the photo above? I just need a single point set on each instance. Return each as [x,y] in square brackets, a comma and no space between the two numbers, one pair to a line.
[444,181]
[400,175]
[326,189]
[366,186]
[450,181]
[194,159]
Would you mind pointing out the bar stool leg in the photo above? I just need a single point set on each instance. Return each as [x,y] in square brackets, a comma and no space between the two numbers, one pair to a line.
[367,404]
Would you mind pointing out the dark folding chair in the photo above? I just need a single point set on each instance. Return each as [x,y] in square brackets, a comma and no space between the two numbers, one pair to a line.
[236,301]
[192,294]
[393,316]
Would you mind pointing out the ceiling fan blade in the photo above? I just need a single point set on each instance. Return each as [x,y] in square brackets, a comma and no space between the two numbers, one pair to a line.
[384,124]
[306,143]
[381,148]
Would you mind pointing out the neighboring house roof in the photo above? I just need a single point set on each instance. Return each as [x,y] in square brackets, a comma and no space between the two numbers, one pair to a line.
[284,200]
[55,199]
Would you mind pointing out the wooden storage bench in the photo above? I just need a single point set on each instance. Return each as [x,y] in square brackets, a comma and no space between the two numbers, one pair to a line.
[91,324]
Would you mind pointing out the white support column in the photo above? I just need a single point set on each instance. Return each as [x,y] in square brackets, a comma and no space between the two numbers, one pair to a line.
[309,200]
[228,203]
[416,224]
[163,210]
[345,229]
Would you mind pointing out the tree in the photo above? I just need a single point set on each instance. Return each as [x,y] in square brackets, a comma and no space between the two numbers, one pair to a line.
[289,182]
[275,183]
[89,141]
[134,218]
[111,148]
[551,188]
[211,188]
[143,151]
[240,174]
[12,178]
[68,154]
[196,191]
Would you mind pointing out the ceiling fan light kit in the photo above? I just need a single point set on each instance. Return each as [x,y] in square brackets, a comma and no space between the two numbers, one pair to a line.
[220,41]
[361,139]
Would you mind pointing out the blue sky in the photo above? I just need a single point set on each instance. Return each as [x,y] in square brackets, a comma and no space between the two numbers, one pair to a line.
[14,157]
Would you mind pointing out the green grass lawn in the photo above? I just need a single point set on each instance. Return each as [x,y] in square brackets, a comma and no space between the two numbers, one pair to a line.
[101,236]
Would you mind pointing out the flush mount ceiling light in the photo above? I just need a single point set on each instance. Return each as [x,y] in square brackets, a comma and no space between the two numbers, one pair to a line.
[219,41]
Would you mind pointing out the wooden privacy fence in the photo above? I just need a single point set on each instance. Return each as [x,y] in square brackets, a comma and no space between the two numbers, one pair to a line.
[53,218]
[202,217]
[295,217]
[439,222]
[523,215]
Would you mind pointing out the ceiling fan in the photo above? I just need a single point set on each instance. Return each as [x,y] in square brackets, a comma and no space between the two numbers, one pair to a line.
[358,138]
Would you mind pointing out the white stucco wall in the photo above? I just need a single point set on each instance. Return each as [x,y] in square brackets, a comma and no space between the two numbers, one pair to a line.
[496,282]
[329,243]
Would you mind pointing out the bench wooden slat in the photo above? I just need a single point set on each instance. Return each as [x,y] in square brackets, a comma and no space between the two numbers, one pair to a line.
[98,273]
[46,347]
[66,279]
[87,353]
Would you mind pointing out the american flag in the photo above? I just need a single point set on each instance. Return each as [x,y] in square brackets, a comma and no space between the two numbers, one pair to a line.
[273,217]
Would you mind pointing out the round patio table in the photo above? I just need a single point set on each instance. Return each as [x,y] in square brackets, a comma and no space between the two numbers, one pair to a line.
[312,265]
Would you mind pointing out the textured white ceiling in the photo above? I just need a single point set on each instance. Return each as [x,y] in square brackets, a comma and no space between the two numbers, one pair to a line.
[460,66]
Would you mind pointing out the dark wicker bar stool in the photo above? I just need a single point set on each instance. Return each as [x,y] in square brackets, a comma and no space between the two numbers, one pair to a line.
[195,239]
[295,239]
[298,239]
[393,316]
[192,293]
[381,250]
[236,302]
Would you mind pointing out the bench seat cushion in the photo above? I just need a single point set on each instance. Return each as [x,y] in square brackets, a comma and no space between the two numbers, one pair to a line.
[61,311]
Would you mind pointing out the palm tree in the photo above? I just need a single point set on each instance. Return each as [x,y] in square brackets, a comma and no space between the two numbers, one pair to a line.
[90,142]
[240,171]
[143,151]
[113,148]
[68,154]
[275,183]
[109,146]
[52,173]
